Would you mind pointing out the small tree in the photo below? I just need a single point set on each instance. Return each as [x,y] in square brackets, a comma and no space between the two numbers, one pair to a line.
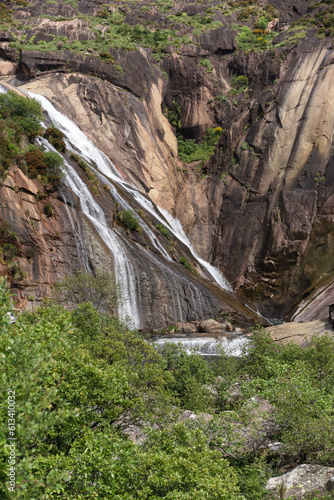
[99,289]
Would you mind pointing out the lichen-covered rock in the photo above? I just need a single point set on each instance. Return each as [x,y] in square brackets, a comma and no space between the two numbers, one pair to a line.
[301,481]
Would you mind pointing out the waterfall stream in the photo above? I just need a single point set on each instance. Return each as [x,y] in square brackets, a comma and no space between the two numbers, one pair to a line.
[126,270]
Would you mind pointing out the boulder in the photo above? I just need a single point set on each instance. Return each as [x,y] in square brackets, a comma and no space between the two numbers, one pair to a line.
[301,481]
[187,327]
[190,415]
[298,333]
[211,326]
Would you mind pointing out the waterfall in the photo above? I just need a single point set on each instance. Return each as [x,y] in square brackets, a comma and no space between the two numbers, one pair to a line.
[126,271]
[176,227]
[128,308]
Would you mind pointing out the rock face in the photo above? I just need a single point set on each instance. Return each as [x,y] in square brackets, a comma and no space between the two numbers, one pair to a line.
[261,208]
[298,333]
[303,480]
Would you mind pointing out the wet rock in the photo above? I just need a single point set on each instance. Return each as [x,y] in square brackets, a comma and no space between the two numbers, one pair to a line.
[301,481]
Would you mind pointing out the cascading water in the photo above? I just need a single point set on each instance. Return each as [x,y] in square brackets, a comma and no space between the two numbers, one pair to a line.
[128,309]
[176,227]
[126,271]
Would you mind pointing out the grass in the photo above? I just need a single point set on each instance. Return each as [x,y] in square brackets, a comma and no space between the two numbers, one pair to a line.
[163,230]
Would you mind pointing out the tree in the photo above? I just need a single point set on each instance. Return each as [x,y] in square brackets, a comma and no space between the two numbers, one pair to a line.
[99,289]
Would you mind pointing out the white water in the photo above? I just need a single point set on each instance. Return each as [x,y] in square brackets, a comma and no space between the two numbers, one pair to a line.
[125,271]
[125,274]
[176,227]
[207,346]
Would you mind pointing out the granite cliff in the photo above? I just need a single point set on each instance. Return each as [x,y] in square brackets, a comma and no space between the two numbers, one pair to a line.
[151,84]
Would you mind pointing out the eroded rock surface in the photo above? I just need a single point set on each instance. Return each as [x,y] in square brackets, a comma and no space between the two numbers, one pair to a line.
[261,209]
[301,481]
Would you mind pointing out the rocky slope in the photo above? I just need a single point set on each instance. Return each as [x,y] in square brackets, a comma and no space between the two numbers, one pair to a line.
[260,208]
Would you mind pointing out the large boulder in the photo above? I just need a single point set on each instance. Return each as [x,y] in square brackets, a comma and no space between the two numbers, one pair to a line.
[303,480]
[187,327]
[211,326]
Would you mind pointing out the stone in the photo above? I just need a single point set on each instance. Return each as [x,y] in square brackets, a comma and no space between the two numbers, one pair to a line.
[302,481]
[211,326]
[190,415]
[187,327]
[23,182]
[298,333]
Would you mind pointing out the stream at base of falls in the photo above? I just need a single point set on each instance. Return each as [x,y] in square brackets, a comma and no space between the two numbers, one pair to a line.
[207,344]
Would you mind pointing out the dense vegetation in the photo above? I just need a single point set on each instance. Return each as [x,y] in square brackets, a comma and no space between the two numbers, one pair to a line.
[81,379]
[20,124]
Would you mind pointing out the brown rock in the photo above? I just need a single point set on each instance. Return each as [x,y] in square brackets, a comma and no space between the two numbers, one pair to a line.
[211,326]
[187,327]
[298,333]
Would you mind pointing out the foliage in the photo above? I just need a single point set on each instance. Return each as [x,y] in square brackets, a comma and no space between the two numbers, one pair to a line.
[21,113]
[247,40]
[190,373]
[47,166]
[128,220]
[163,230]
[19,116]
[239,84]
[99,289]
[88,172]
[56,138]
[186,264]
[218,98]
[206,63]
[190,151]
[48,209]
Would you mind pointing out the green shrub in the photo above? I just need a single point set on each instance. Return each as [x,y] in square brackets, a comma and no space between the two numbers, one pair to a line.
[56,138]
[23,113]
[183,261]
[48,210]
[218,98]
[163,230]
[206,63]
[46,166]
[106,56]
[190,151]
[128,220]
[17,272]
[99,289]
[245,146]
[239,84]
[247,40]
[88,172]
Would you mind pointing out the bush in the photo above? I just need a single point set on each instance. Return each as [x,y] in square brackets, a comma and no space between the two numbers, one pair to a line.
[24,112]
[48,209]
[183,261]
[206,63]
[163,230]
[128,220]
[247,40]
[47,166]
[99,289]
[240,83]
[56,138]
[190,151]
